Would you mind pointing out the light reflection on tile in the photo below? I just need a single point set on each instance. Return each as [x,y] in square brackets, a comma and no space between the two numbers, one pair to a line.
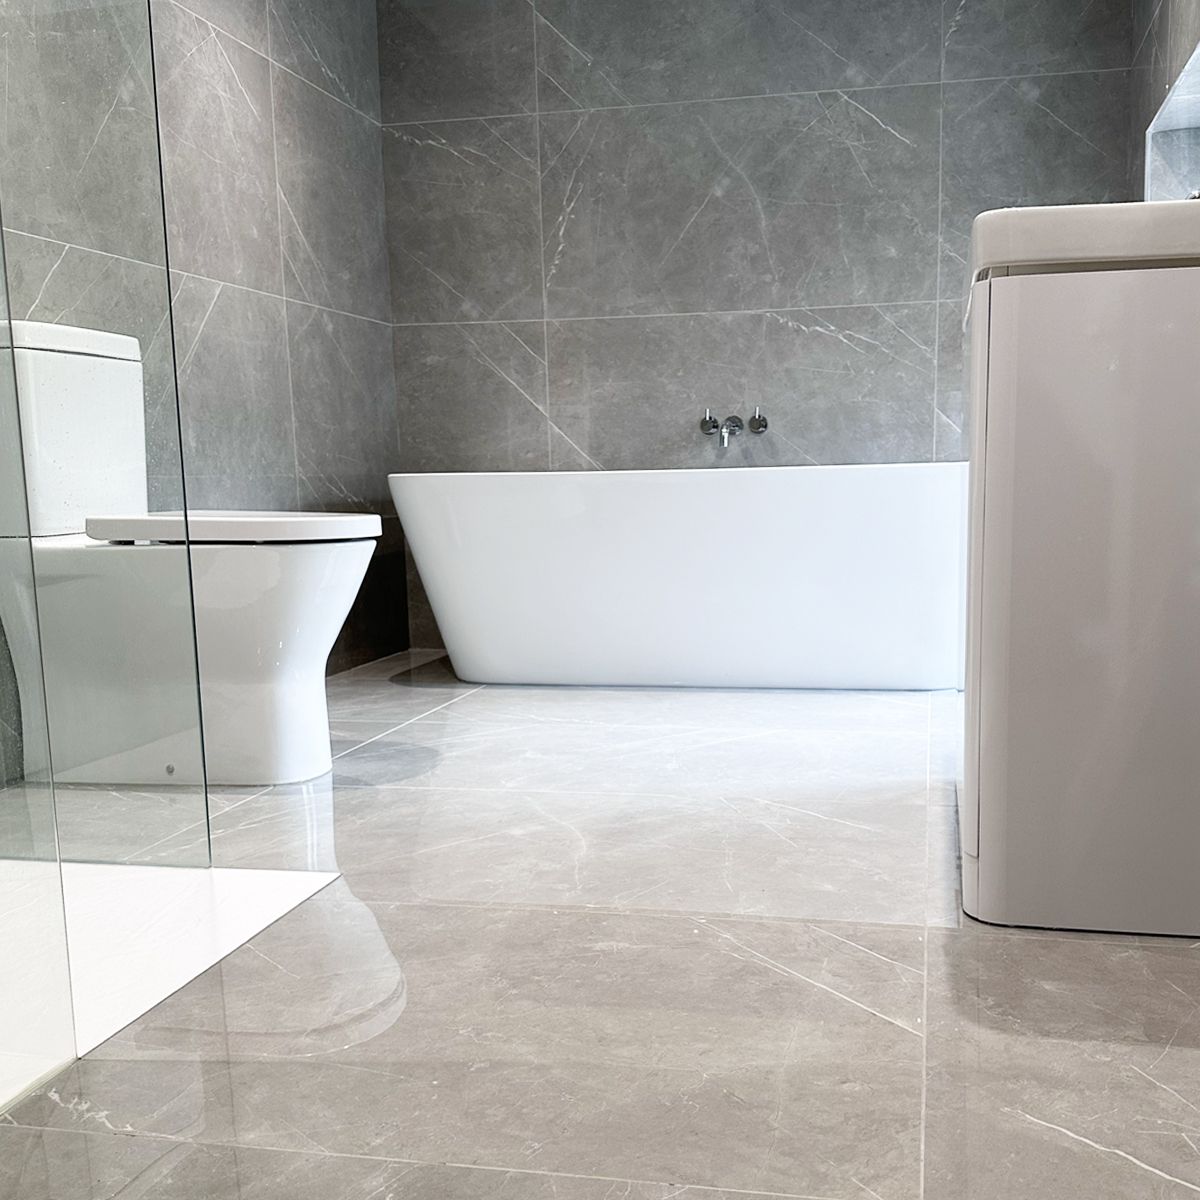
[607,942]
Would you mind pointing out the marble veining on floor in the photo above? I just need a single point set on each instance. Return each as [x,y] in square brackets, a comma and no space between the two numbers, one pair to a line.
[597,943]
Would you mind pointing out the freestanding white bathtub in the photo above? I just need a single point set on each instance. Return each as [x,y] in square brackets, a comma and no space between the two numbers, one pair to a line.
[796,577]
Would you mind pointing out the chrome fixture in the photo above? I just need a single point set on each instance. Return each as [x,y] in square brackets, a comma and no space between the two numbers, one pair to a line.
[730,427]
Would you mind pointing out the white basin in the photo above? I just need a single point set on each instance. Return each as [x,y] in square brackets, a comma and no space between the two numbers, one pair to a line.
[1085,233]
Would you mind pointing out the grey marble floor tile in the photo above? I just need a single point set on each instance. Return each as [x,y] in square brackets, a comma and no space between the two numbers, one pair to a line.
[473,58]
[752,1055]
[456,748]
[131,825]
[395,698]
[820,199]
[839,385]
[284,828]
[214,99]
[1056,139]
[42,1164]
[1061,1067]
[709,709]
[462,210]
[943,879]
[334,46]
[393,664]
[847,861]
[627,51]
[989,38]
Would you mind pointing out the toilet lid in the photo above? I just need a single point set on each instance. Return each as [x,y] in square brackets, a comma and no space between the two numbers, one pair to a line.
[235,527]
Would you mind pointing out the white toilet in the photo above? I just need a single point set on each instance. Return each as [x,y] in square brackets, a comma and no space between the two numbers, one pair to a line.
[271,592]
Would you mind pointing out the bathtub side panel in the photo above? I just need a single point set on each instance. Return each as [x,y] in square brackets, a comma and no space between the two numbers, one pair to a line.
[816,577]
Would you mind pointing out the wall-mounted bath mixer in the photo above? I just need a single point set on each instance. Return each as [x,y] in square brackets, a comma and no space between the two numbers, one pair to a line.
[732,426]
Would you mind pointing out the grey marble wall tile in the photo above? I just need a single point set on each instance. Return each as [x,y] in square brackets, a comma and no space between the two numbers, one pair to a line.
[462,211]
[12,753]
[952,430]
[333,46]
[66,285]
[232,354]
[631,52]
[990,38]
[1185,34]
[565,455]
[837,385]
[377,624]
[237,490]
[472,397]
[455,58]
[423,631]
[1142,17]
[245,20]
[218,153]
[1057,139]
[330,187]
[78,147]
[344,401]
[818,199]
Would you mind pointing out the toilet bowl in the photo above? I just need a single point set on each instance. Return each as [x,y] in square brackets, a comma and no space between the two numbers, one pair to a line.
[268,593]
[271,591]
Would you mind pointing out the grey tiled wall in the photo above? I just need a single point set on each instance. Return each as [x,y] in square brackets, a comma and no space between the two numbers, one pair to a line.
[1165,32]
[271,156]
[604,217]
[274,198]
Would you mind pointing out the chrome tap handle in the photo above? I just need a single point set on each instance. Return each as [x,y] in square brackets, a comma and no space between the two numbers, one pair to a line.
[758,423]
[708,423]
[730,427]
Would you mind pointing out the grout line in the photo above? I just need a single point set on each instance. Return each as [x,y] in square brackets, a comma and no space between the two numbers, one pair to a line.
[212,279]
[550,112]
[715,312]
[419,717]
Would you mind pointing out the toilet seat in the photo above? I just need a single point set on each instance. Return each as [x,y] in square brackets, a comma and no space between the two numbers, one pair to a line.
[234,527]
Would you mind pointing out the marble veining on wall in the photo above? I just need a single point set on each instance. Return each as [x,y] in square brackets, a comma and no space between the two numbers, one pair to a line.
[603,218]
[699,171]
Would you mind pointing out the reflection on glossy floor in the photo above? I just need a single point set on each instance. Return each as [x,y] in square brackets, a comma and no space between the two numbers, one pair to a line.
[598,943]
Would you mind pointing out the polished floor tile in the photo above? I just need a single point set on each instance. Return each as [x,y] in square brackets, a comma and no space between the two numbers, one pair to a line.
[813,858]
[1062,1067]
[638,943]
[779,1057]
[38,1164]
